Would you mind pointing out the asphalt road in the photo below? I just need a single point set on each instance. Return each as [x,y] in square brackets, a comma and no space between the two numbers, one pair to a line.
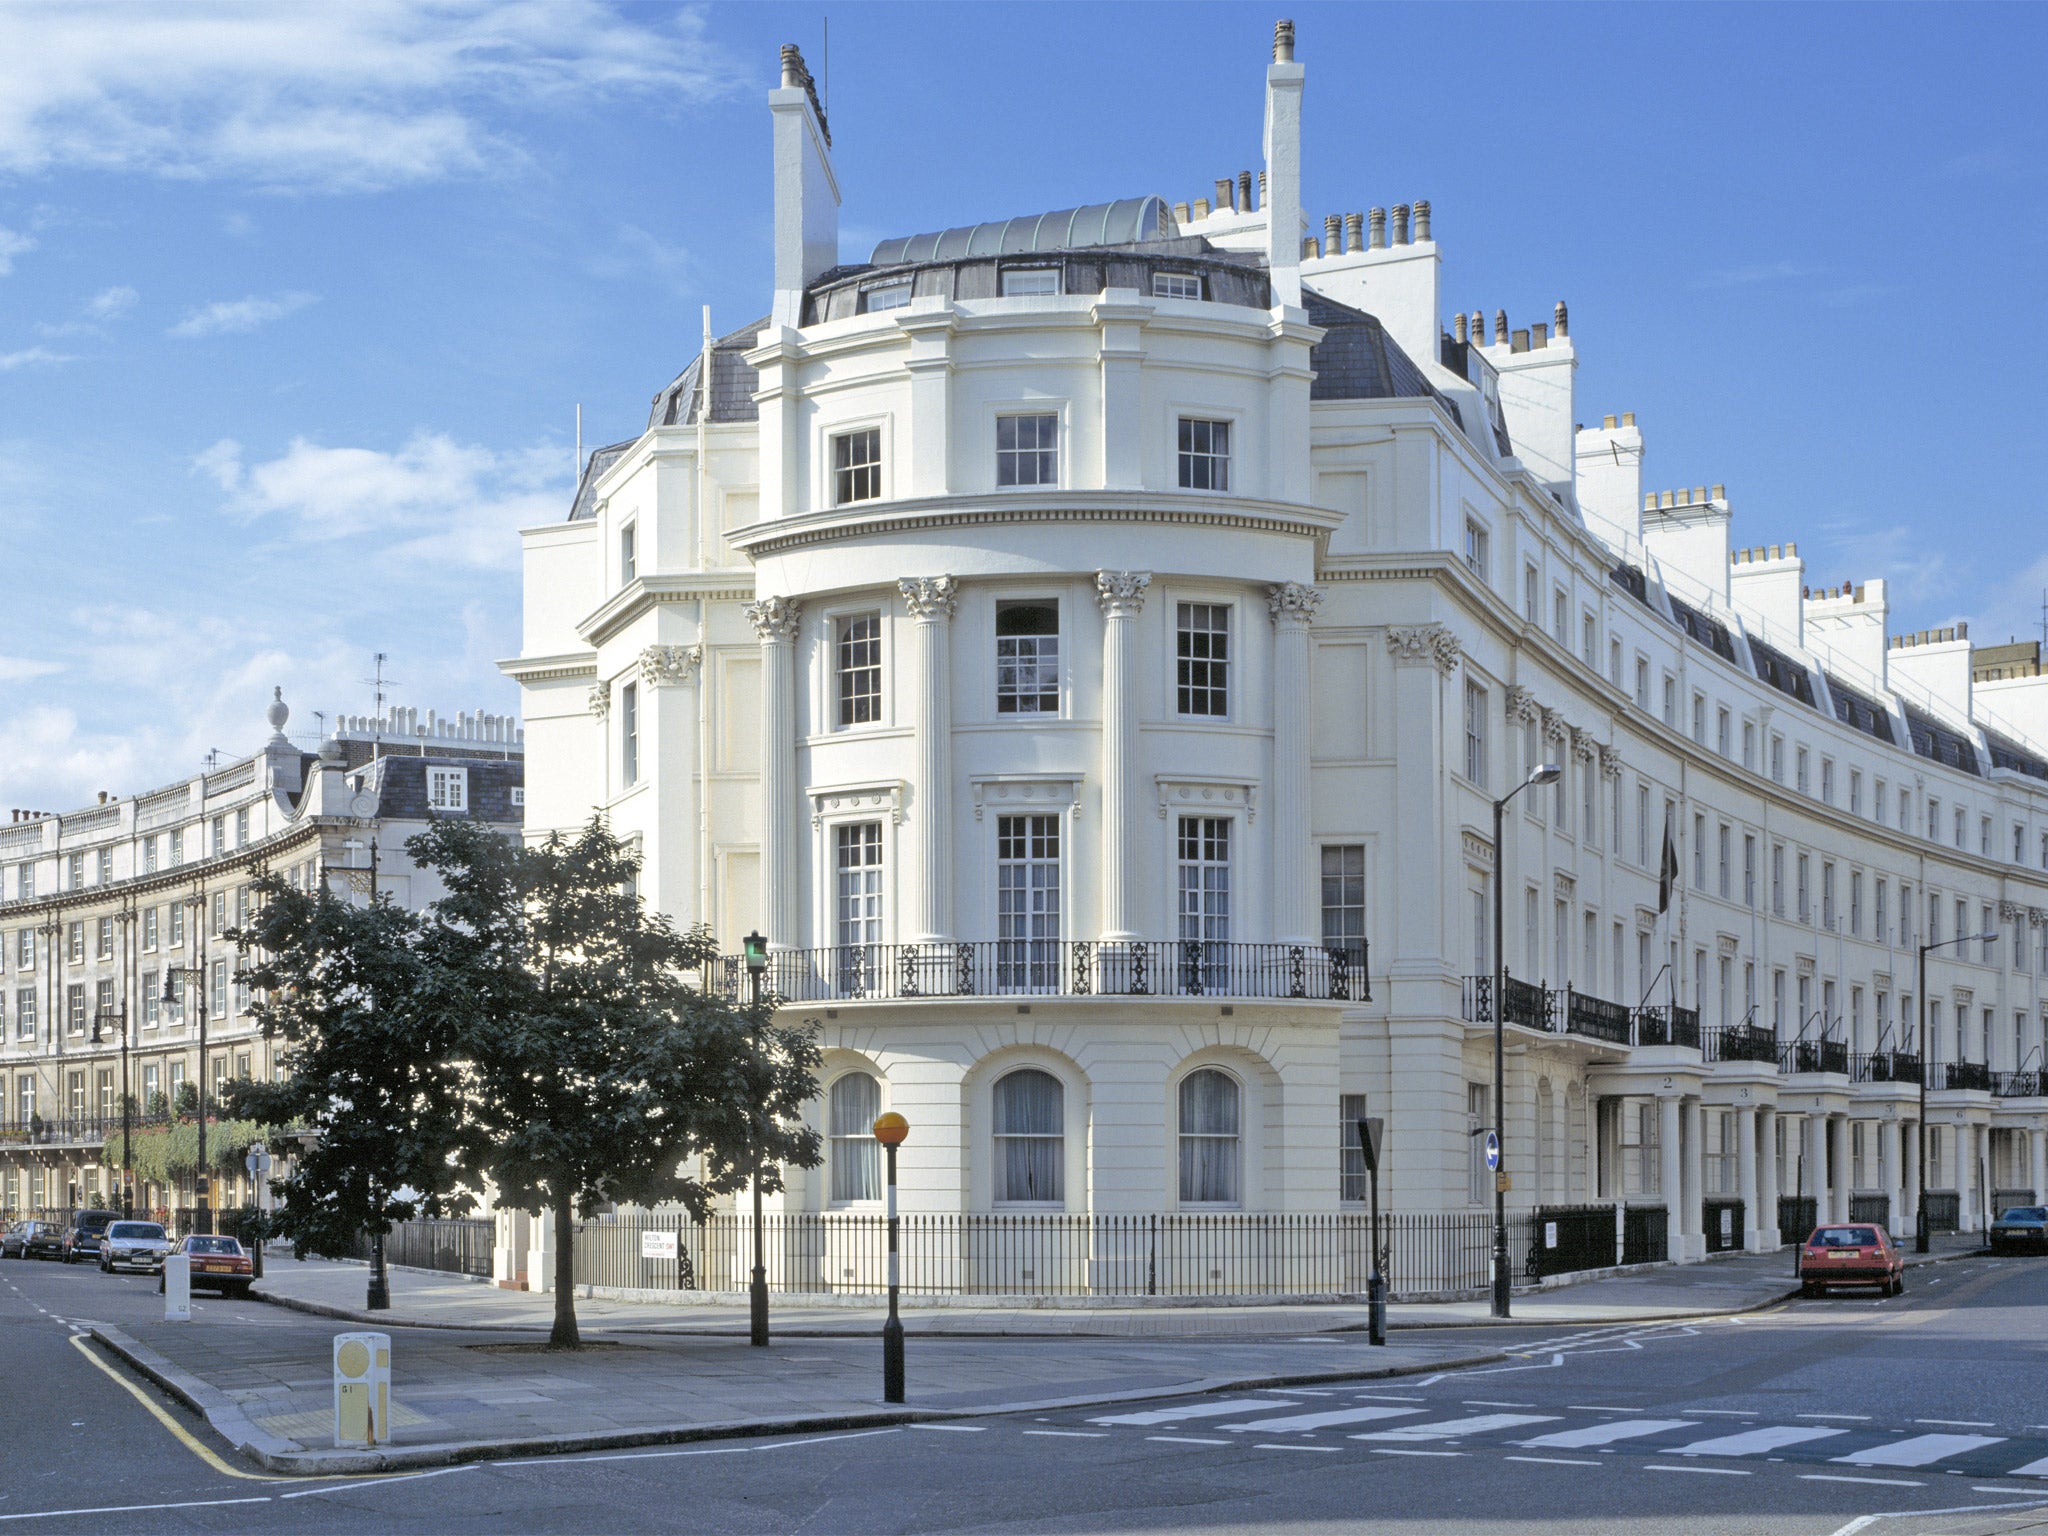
[1837,1416]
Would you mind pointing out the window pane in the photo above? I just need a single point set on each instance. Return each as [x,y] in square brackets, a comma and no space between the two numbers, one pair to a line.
[1027,450]
[1028,902]
[1204,454]
[1027,658]
[1209,1138]
[1023,281]
[1202,659]
[857,466]
[1176,285]
[860,669]
[856,1100]
[1029,1135]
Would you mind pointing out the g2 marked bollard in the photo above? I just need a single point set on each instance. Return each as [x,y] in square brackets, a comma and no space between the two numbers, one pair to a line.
[178,1289]
[362,1390]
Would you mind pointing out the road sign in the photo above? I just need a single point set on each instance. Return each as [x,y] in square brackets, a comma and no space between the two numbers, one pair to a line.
[1493,1150]
[657,1245]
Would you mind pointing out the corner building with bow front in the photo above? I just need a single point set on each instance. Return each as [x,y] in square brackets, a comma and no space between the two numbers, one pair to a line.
[1088,647]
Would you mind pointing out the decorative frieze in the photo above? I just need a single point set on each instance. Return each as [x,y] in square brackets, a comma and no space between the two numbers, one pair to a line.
[1026,792]
[1416,645]
[668,665]
[1121,594]
[1563,886]
[881,796]
[1727,944]
[775,618]
[929,597]
[1646,919]
[1293,602]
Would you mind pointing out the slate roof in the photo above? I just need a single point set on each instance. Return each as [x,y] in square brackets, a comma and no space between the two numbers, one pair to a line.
[1781,671]
[1358,360]
[1859,711]
[1710,632]
[601,459]
[732,383]
[1119,223]
[1944,745]
[2007,753]
[400,785]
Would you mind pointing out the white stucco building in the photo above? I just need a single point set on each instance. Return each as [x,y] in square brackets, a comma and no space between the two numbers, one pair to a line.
[1088,646]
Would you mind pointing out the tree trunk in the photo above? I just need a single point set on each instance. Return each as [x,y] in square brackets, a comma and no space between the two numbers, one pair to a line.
[564,1335]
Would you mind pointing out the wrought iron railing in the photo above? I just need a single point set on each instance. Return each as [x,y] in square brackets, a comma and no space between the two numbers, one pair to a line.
[1663,1024]
[1871,1207]
[454,1245]
[1595,1017]
[1973,1075]
[1721,1221]
[1815,1056]
[2018,1085]
[1741,1042]
[1944,1210]
[71,1130]
[1645,1234]
[1053,1253]
[1026,968]
[1885,1067]
[1564,1239]
[1798,1215]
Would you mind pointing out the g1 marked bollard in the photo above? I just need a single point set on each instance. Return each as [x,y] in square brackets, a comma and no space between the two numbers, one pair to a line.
[178,1289]
[362,1390]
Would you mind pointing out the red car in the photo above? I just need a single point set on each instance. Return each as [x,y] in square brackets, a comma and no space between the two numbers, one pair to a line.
[1851,1253]
[217,1263]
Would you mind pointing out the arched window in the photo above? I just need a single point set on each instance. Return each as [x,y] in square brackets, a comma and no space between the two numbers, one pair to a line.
[851,1108]
[1030,1136]
[1210,1155]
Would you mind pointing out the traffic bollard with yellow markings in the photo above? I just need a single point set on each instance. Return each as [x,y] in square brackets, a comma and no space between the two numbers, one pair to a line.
[362,1389]
[178,1289]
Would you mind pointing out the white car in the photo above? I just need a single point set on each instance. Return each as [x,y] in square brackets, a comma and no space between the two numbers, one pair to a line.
[134,1245]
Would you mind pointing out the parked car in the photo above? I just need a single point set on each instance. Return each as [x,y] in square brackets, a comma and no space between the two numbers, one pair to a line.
[1851,1254]
[220,1263]
[45,1241]
[82,1237]
[14,1241]
[134,1245]
[2022,1229]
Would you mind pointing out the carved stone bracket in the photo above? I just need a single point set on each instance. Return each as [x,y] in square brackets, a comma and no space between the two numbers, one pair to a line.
[666,665]
[1478,849]
[1121,594]
[1584,747]
[1728,944]
[883,796]
[1522,704]
[1646,919]
[775,618]
[1555,726]
[1292,602]
[2009,911]
[1610,763]
[601,699]
[929,597]
[1414,645]
[1563,886]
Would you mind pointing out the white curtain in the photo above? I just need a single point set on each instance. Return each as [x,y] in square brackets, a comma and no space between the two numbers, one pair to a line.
[1030,1135]
[1209,1139]
[856,1156]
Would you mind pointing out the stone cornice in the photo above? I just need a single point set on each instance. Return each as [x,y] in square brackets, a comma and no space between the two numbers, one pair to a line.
[567,668]
[649,592]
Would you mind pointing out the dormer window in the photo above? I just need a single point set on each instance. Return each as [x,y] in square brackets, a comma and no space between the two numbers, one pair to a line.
[448,790]
[883,296]
[1176,285]
[1025,282]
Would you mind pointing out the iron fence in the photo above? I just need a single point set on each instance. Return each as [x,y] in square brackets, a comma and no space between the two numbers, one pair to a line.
[1944,1210]
[1885,1067]
[1047,1254]
[1876,1209]
[1664,1024]
[1798,1215]
[1645,1234]
[1522,1002]
[1595,1017]
[1971,1075]
[2003,1200]
[1026,968]
[1564,1239]
[1721,1223]
[1741,1042]
[1815,1056]
[2016,1085]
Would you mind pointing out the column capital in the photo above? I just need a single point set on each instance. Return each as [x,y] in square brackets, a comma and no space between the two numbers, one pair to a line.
[661,665]
[1416,645]
[775,618]
[1522,705]
[600,699]
[929,598]
[1293,602]
[1121,594]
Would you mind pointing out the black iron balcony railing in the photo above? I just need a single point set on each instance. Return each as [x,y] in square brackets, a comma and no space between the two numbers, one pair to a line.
[1597,1018]
[2018,1085]
[1050,967]
[1664,1024]
[1974,1075]
[1815,1056]
[1741,1042]
[1522,1002]
[1885,1067]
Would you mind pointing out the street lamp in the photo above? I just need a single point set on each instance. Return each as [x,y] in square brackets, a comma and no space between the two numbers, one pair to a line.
[202,1216]
[1922,1238]
[756,950]
[99,1018]
[890,1129]
[1542,773]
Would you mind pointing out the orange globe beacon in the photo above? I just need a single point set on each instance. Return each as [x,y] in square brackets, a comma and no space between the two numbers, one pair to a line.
[890,1129]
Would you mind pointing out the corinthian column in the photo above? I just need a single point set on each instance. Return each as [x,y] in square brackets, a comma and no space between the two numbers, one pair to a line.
[1293,607]
[1122,597]
[775,620]
[930,600]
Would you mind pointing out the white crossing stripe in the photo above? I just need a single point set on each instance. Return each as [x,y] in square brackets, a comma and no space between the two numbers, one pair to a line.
[1754,1442]
[2031,1469]
[1195,1411]
[1324,1419]
[1606,1434]
[1457,1429]
[1919,1451]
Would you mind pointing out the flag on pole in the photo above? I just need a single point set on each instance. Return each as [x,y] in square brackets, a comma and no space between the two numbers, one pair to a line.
[1667,872]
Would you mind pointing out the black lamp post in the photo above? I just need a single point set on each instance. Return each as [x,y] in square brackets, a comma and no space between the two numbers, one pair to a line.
[202,1215]
[756,949]
[99,1019]
[1542,773]
[1922,1237]
[890,1130]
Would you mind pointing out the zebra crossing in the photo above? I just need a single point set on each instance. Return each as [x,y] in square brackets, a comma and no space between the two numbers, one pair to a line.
[1390,1426]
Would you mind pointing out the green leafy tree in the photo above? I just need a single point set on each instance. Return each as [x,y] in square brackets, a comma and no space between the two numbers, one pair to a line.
[600,1071]
[374,1063]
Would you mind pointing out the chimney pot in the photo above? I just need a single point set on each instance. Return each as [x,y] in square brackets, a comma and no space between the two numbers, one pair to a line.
[1354,232]
[793,71]
[1262,189]
[1201,207]
[1521,340]
[1791,551]
[1720,493]
[103,797]
[1458,327]
[1500,327]
[1699,493]
[1649,501]
[1628,418]
[1963,630]
[1333,233]
[1666,499]
[1539,335]
[1422,219]
[1607,422]
[1400,223]
[1377,219]
[1283,42]
[1310,248]
[1226,194]
[1244,191]
[1180,213]
[1562,317]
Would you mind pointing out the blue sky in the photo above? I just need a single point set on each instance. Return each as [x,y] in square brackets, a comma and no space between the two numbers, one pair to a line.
[297,302]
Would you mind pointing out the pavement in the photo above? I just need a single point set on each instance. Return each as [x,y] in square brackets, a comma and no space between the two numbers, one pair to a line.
[472,1378]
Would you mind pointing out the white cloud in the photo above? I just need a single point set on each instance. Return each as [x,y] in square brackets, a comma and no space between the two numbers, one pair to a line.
[19,669]
[30,357]
[112,303]
[12,244]
[291,94]
[433,500]
[233,316]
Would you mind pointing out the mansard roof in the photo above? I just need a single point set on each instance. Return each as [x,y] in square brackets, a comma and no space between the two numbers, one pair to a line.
[732,383]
